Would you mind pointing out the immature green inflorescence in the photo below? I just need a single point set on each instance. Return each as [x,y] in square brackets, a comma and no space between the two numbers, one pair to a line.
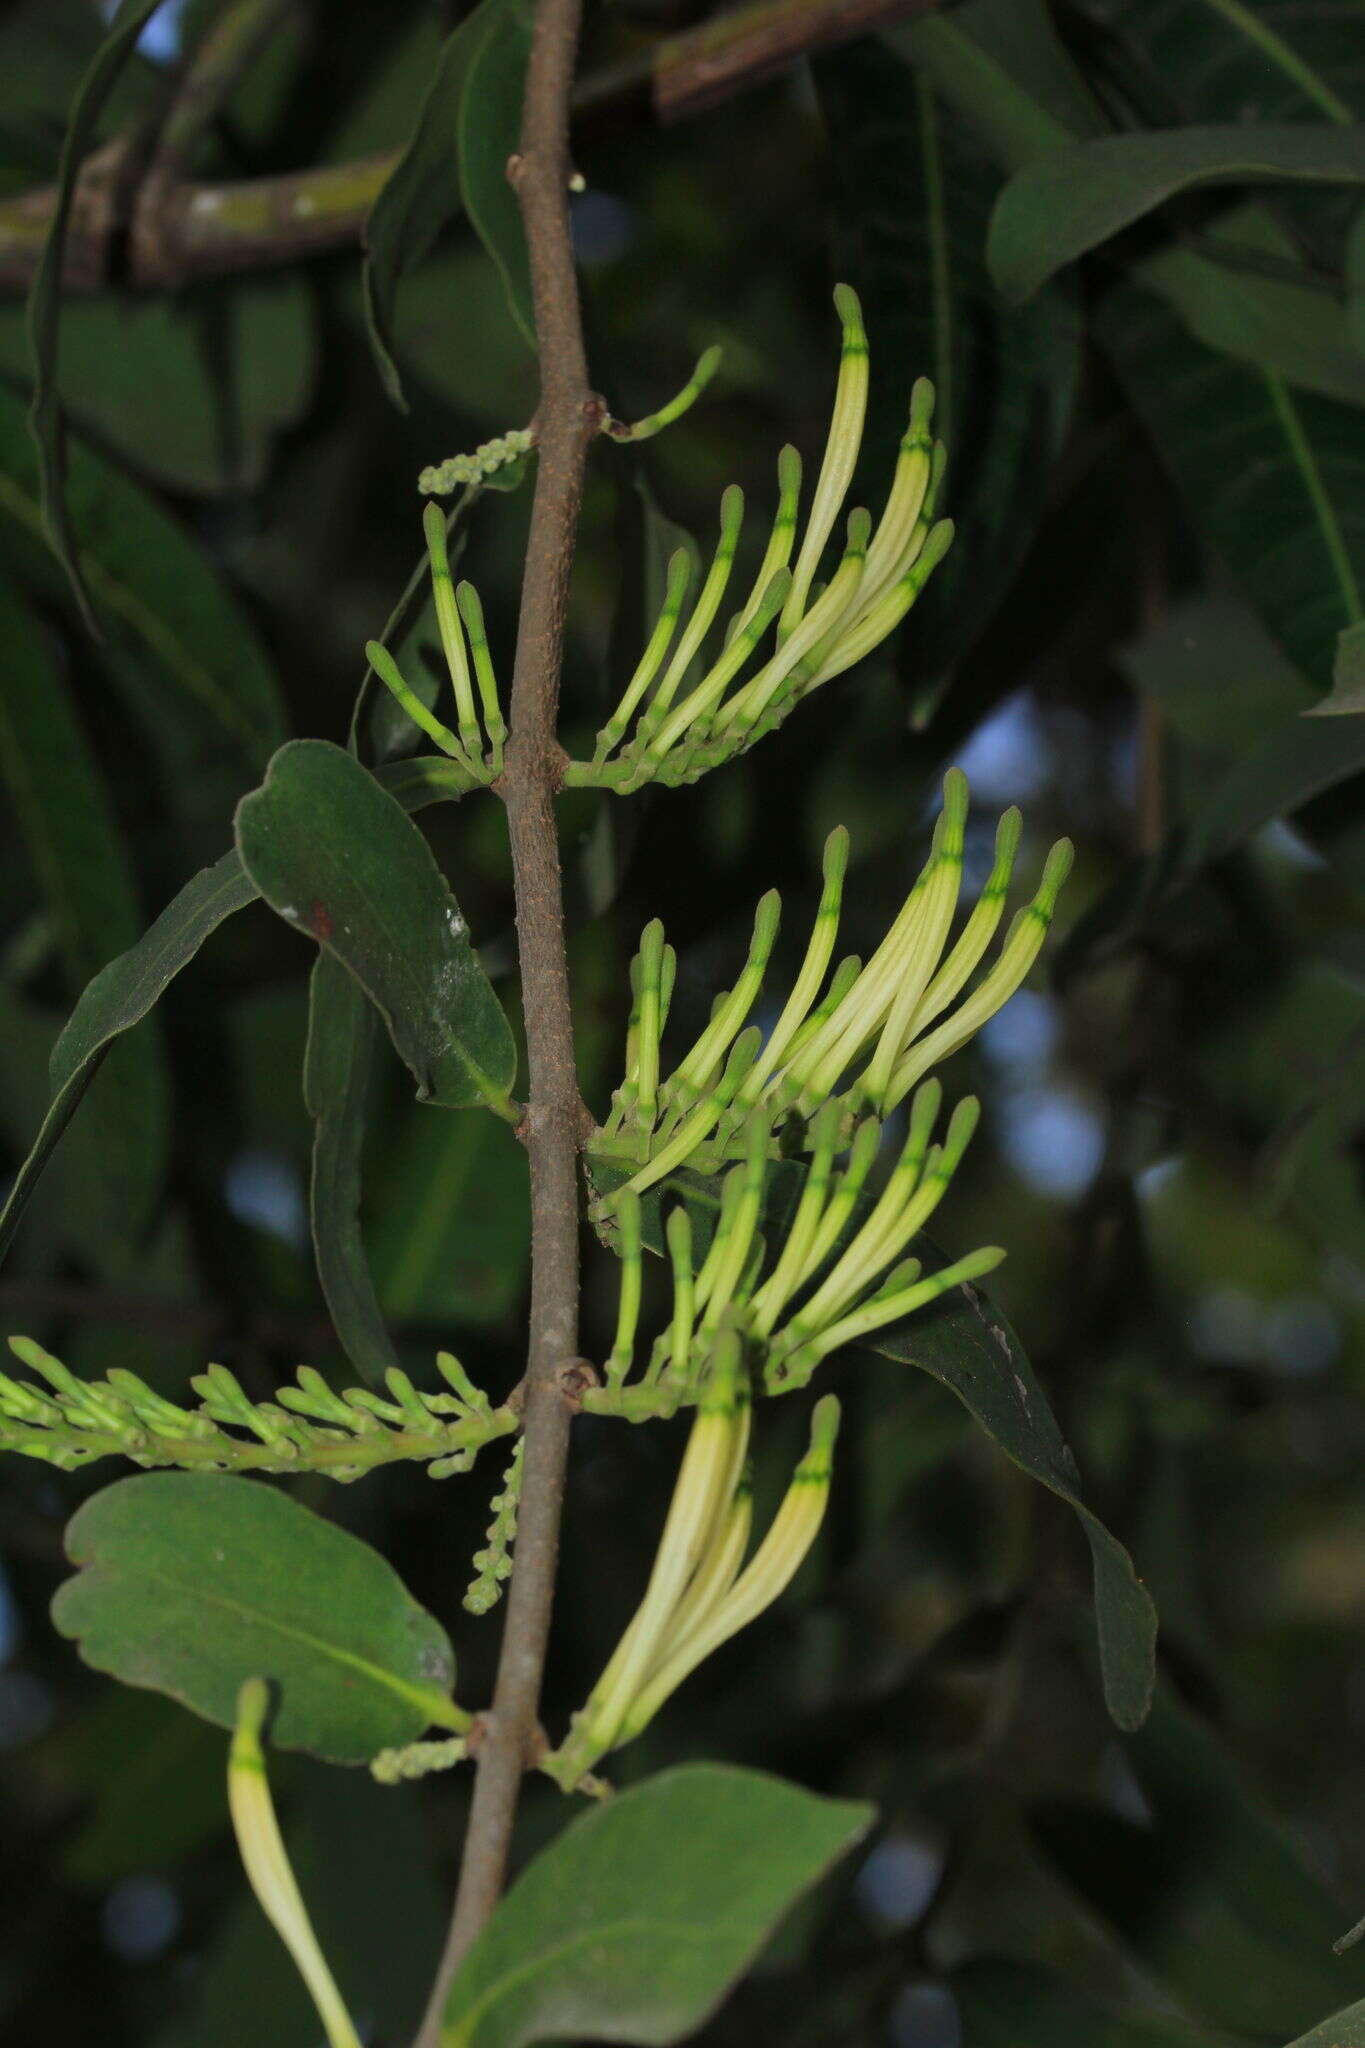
[672,723]
[859,1034]
[67,1422]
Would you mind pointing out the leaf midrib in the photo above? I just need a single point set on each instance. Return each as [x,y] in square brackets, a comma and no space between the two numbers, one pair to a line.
[388,1681]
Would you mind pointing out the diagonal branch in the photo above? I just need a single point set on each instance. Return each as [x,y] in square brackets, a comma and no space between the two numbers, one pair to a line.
[189,228]
[555,1121]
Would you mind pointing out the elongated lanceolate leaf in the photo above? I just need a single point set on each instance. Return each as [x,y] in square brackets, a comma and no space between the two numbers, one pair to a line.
[489,125]
[122,993]
[636,1920]
[426,188]
[1074,199]
[335,856]
[336,1073]
[190,1583]
[81,866]
[1344,2030]
[44,306]
[153,588]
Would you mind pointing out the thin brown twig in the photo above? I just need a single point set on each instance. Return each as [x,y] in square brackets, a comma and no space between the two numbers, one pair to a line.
[555,1121]
[216,228]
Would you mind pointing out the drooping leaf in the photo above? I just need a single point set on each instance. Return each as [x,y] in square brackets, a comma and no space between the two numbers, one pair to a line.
[80,861]
[451,1233]
[965,1342]
[1004,2004]
[336,1075]
[154,589]
[1026,112]
[1343,2030]
[45,297]
[232,364]
[1231,60]
[489,125]
[190,1583]
[1074,199]
[1208,1894]
[637,1919]
[915,192]
[120,996]
[335,856]
[122,993]
[1275,478]
[424,191]
[1348,674]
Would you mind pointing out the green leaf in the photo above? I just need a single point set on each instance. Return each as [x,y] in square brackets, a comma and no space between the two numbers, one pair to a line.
[450,1240]
[1074,199]
[916,190]
[336,1075]
[1274,478]
[120,996]
[967,1344]
[154,588]
[45,297]
[63,810]
[638,1918]
[489,127]
[1026,110]
[122,993]
[233,365]
[1348,675]
[1004,2004]
[1206,1892]
[334,855]
[190,1583]
[425,190]
[1343,2030]
[1249,60]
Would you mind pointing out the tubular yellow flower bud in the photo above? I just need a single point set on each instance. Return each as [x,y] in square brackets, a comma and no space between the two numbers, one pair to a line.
[773,1567]
[389,674]
[267,1864]
[708,604]
[711,1464]
[780,542]
[678,577]
[452,634]
[841,452]
[1022,947]
[471,611]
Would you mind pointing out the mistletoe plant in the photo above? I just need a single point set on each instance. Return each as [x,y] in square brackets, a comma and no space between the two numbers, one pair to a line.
[783,1167]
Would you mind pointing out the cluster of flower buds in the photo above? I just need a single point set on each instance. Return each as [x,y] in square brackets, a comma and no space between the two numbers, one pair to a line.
[310,1427]
[700,1591]
[474,747]
[493,1564]
[458,471]
[839,1274]
[681,722]
[863,1034]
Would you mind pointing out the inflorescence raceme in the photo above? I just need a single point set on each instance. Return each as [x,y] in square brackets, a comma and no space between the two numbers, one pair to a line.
[310,1428]
[839,1273]
[860,1036]
[683,713]
[688,707]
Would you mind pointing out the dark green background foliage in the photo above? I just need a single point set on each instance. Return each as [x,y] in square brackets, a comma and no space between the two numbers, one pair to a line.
[1158,474]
